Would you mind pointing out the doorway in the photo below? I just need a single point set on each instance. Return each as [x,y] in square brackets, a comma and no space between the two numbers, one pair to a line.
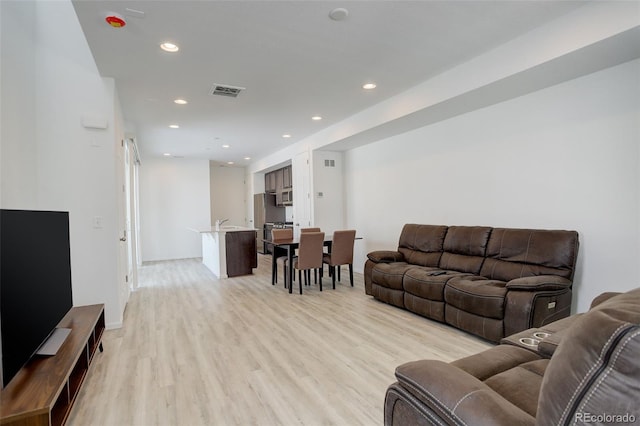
[129,247]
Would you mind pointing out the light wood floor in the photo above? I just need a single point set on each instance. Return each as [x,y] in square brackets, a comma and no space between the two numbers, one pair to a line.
[195,350]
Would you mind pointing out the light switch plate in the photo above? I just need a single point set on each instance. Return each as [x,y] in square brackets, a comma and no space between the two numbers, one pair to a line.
[97,222]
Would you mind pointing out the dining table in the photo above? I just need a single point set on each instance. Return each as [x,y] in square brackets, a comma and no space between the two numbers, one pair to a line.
[290,245]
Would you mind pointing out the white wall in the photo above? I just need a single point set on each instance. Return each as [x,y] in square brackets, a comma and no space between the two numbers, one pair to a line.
[18,180]
[562,158]
[174,197]
[49,160]
[328,208]
[228,195]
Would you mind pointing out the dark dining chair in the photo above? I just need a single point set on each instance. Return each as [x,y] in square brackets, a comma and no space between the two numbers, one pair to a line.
[279,254]
[309,256]
[341,254]
[315,271]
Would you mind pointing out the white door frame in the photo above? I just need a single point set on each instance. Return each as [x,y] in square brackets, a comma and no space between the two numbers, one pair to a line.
[301,172]
[132,161]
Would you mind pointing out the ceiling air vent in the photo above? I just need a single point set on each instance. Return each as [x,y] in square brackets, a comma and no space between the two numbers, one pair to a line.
[226,90]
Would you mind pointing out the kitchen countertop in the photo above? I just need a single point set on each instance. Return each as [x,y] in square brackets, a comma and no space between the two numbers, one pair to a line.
[222,229]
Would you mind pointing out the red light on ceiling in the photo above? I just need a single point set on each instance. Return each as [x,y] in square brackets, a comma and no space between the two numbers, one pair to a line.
[115,21]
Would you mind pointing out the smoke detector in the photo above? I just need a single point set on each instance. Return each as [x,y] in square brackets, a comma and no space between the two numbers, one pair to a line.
[225,90]
[339,14]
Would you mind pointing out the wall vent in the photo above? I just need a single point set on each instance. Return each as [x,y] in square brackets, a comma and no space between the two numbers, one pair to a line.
[225,90]
[329,163]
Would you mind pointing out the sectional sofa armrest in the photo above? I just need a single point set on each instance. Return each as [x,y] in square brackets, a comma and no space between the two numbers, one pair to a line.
[547,347]
[539,283]
[534,302]
[375,257]
[385,256]
[454,395]
[559,329]
[603,298]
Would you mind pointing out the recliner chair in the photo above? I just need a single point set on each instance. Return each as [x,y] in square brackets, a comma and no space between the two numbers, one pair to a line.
[583,370]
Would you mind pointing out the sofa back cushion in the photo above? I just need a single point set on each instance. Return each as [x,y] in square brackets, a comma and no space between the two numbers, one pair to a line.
[422,244]
[464,248]
[595,370]
[517,253]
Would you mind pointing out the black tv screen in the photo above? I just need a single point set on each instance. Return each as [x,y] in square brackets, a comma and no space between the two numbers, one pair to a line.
[35,282]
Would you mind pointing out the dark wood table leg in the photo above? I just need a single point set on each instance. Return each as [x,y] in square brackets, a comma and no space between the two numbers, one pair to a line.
[290,251]
[351,274]
[274,266]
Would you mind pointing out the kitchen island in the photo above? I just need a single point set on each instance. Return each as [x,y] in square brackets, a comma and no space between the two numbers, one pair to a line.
[229,251]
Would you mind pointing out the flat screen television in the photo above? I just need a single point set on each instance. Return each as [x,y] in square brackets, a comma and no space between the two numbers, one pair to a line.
[35,282]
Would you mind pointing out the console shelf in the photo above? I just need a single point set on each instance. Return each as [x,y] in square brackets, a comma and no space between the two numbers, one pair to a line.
[44,390]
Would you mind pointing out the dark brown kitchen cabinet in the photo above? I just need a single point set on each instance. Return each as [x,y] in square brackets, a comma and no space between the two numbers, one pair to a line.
[287,178]
[241,253]
[279,186]
[279,180]
[270,182]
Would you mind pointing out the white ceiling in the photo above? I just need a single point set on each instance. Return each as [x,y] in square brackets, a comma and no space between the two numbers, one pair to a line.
[293,60]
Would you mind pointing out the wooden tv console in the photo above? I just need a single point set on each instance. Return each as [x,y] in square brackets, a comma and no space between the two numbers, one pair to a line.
[44,390]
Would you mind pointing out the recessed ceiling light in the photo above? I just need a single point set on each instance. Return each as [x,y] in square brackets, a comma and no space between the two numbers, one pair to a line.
[174,126]
[225,146]
[369,86]
[180,102]
[166,154]
[229,162]
[286,135]
[247,158]
[316,118]
[169,47]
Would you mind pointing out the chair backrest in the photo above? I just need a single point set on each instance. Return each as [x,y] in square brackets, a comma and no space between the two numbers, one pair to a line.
[309,230]
[310,250]
[281,234]
[342,247]
[516,253]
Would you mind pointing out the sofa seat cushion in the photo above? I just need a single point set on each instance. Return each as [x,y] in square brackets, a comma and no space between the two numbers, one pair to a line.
[477,295]
[390,275]
[428,283]
[495,360]
[521,385]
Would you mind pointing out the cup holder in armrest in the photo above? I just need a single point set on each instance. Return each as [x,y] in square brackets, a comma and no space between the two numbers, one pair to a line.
[541,335]
[529,341]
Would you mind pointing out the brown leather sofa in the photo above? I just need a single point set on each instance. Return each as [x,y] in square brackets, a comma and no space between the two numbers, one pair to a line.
[585,371]
[492,282]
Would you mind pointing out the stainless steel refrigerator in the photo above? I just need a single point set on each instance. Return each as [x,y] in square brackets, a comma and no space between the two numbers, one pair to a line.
[265,211]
